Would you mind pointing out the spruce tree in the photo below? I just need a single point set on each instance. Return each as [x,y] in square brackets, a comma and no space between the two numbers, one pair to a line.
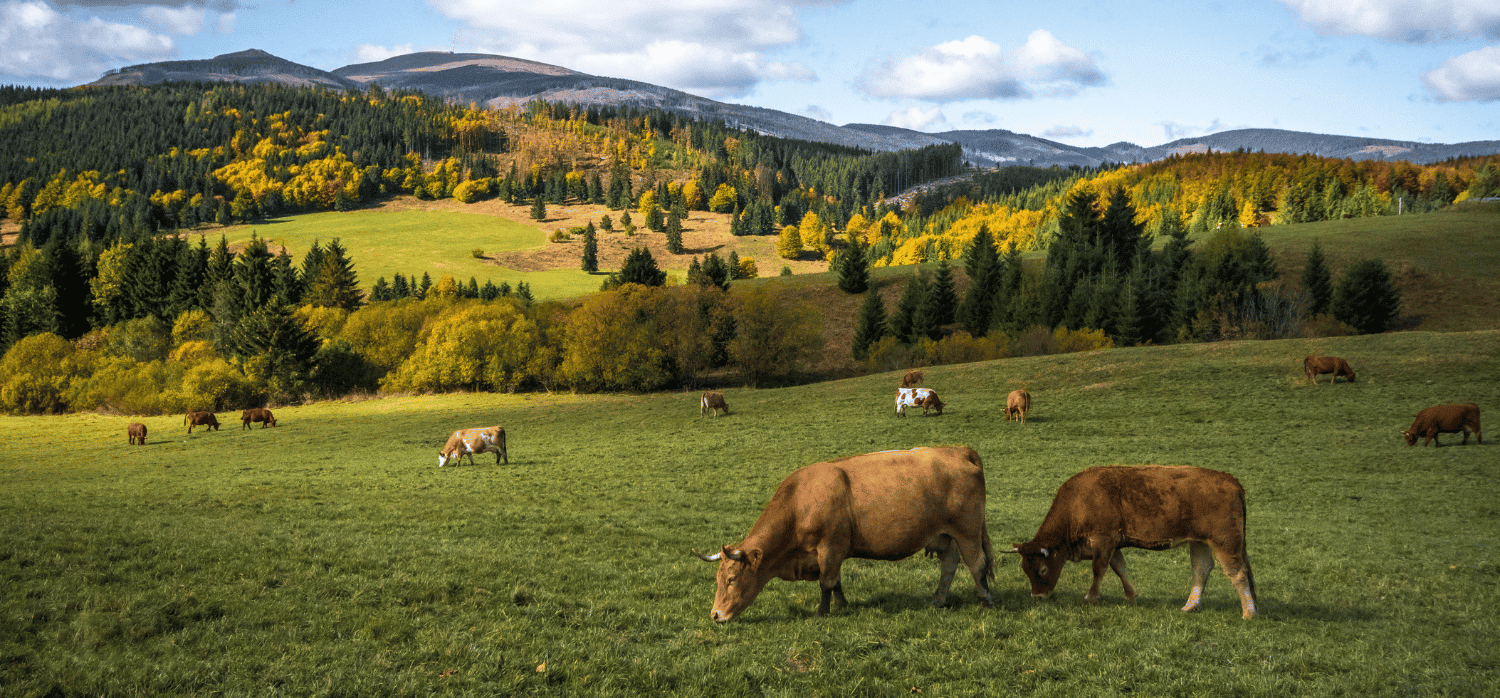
[903,321]
[674,232]
[71,286]
[853,268]
[590,260]
[287,285]
[1317,280]
[538,208]
[640,268]
[336,284]
[192,263]
[381,291]
[399,287]
[716,271]
[871,325]
[421,291]
[943,297]
[983,266]
[1367,298]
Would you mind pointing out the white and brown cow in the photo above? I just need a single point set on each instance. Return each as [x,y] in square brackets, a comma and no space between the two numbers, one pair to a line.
[1155,507]
[467,442]
[878,506]
[925,398]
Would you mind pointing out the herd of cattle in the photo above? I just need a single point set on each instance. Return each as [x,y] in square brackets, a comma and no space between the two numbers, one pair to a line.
[890,505]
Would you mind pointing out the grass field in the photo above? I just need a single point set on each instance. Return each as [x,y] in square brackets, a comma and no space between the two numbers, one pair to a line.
[330,556]
[383,243]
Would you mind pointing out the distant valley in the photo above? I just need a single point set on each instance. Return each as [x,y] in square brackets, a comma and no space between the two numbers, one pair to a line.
[498,81]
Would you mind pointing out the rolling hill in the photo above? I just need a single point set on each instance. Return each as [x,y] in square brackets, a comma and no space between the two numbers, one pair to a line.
[498,81]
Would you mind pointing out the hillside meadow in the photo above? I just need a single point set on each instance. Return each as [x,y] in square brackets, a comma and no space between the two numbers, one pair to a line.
[330,556]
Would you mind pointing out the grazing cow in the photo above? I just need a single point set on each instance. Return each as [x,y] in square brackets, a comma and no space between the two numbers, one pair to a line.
[257,414]
[1017,403]
[467,442]
[136,432]
[1444,419]
[878,506]
[712,401]
[925,398]
[1315,365]
[911,378]
[207,420]
[1101,510]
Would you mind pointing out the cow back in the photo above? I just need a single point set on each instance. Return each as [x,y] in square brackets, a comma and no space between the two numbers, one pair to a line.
[1151,506]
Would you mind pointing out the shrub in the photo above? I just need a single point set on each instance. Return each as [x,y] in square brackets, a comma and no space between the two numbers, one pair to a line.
[560,235]
[476,253]
[477,346]
[1068,341]
[961,348]
[36,373]
[192,325]
[216,385]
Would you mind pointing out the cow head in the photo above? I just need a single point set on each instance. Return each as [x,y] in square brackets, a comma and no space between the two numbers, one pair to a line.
[1042,566]
[446,457]
[740,580]
[1411,438]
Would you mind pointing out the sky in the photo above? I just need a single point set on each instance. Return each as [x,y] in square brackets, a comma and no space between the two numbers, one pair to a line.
[1081,72]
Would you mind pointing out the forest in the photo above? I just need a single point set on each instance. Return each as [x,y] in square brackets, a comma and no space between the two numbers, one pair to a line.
[108,303]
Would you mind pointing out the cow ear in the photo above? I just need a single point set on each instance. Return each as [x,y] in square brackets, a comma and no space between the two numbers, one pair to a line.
[754,555]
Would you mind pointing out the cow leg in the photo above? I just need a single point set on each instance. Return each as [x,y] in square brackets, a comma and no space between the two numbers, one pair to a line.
[1117,563]
[1237,568]
[1101,561]
[948,555]
[1203,563]
[979,564]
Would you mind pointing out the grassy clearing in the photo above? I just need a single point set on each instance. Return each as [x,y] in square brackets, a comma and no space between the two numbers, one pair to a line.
[383,243]
[329,556]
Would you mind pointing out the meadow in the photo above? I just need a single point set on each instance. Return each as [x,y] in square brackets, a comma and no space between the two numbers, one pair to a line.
[330,556]
[439,243]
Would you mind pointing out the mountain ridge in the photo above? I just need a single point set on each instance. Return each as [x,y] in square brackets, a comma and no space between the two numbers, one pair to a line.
[499,81]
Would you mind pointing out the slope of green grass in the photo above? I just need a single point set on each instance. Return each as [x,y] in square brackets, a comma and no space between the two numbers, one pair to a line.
[330,556]
[383,243]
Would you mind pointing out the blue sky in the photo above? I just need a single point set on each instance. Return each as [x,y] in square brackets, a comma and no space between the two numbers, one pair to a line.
[1077,71]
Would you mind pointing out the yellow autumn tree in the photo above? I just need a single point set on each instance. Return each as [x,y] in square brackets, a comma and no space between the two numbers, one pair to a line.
[814,233]
[789,244]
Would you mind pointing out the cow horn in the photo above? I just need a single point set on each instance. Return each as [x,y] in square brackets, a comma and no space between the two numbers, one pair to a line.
[707,558]
[1014,550]
[737,555]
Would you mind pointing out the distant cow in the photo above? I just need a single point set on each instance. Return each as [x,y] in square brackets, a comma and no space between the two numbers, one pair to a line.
[878,506]
[1316,365]
[925,398]
[206,420]
[1444,419]
[467,442]
[711,402]
[1017,404]
[1101,510]
[257,414]
[911,378]
[136,433]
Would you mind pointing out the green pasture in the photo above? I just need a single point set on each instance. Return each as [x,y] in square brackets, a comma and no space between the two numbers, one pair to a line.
[330,556]
[383,243]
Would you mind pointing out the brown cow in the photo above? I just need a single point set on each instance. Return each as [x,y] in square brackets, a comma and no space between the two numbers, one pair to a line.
[878,506]
[467,442]
[712,401]
[1017,403]
[206,420]
[1101,510]
[1315,365]
[911,378]
[136,432]
[1444,419]
[257,414]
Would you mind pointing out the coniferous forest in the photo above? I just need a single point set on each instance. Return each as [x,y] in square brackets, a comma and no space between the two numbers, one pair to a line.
[117,296]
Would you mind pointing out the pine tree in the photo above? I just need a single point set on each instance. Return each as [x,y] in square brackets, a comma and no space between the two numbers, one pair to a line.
[254,279]
[399,288]
[421,290]
[489,292]
[71,286]
[853,268]
[538,208]
[217,272]
[192,263]
[381,291]
[590,260]
[1317,280]
[871,325]
[312,264]
[1367,298]
[287,285]
[716,271]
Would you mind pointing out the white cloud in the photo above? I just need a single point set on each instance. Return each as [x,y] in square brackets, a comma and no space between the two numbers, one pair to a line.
[225,24]
[918,119]
[37,42]
[1175,130]
[180,20]
[371,53]
[715,48]
[1410,21]
[1472,77]
[814,111]
[975,68]
[1068,132]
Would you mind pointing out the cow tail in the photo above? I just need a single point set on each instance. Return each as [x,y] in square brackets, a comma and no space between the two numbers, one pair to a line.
[989,556]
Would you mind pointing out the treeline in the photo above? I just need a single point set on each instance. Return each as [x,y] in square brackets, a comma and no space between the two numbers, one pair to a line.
[1104,283]
[270,337]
